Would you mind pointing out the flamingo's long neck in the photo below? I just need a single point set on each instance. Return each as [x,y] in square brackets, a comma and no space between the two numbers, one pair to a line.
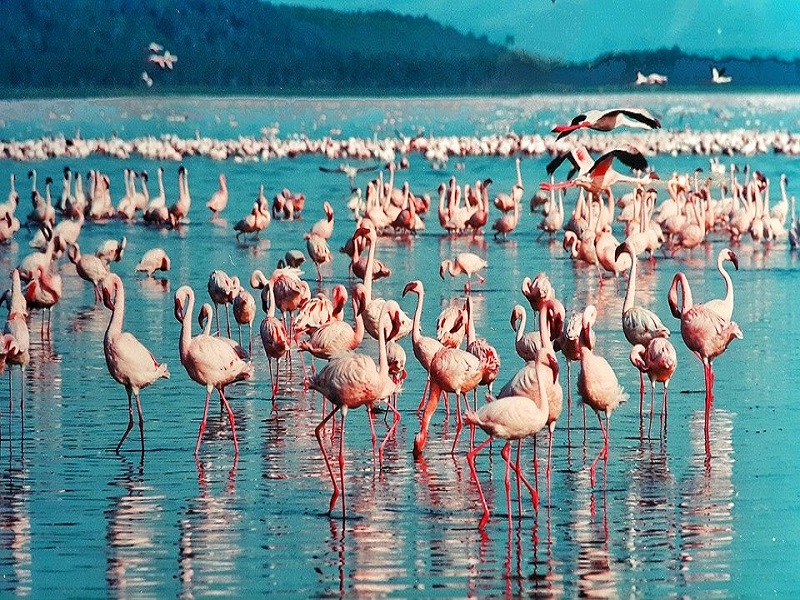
[368,275]
[383,360]
[630,293]
[521,328]
[358,330]
[728,283]
[271,296]
[161,192]
[186,326]
[18,304]
[470,323]
[679,283]
[416,332]
[118,314]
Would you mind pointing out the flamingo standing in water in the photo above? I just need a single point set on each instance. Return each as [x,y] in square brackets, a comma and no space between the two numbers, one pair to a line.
[221,288]
[43,292]
[349,381]
[155,259]
[465,263]
[128,361]
[513,418]
[704,331]
[337,337]
[640,325]
[219,200]
[724,307]
[659,361]
[274,337]
[208,360]
[244,313]
[17,326]
[597,383]
[89,268]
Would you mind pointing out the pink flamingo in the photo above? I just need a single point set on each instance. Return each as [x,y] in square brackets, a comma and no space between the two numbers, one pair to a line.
[324,227]
[43,292]
[274,337]
[244,313]
[318,250]
[337,336]
[424,347]
[128,361]
[606,120]
[451,326]
[221,289]
[597,383]
[208,360]
[538,291]
[513,418]
[528,344]
[155,259]
[219,199]
[17,326]
[465,263]
[704,331]
[89,268]
[483,351]
[349,381]
[659,361]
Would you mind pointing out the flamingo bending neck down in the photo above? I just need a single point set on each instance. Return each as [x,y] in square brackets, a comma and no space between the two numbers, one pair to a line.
[128,361]
[659,361]
[349,381]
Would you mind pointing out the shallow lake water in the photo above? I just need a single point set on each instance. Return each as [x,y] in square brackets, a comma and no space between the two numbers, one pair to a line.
[664,518]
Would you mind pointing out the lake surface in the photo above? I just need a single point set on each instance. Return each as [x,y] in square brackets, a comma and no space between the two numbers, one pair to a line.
[77,520]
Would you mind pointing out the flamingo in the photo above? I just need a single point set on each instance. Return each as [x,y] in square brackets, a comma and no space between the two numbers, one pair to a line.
[153,260]
[512,418]
[506,223]
[208,360]
[640,325]
[274,337]
[89,268]
[704,331]
[244,313]
[538,291]
[17,326]
[318,250]
[221,289]
[336,337]
[465,263]
[528,344]
[659,361]
[375,305]
[129,361]
[349,381]
[601,176]
[606,120]
[219,199]
[324,227]
[451,326]
[597,383]
[424,347]
[724,307]
[718,76]
[43,292]
[483,351]
[112,250]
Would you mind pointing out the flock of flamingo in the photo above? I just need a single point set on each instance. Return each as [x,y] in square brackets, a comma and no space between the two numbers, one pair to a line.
[531,402]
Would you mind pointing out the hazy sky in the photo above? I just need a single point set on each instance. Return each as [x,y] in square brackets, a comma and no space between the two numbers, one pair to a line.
[582,29]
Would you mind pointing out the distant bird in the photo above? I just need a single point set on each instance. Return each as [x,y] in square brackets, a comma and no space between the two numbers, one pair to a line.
[606,120]
[718,76]
[651,79]
[155,259]
[350,171]
[165,61]
[128,361]
[155,47]
[148,81]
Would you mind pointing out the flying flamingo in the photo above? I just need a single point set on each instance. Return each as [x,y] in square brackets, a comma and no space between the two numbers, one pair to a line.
[209,360]
[465,263]
[155,259]
[704,331]
[349,381]
[640,325]
[659,361]
[513,418]
[274,337]
[597,383]
[601,176]
[128,361]
[606,120]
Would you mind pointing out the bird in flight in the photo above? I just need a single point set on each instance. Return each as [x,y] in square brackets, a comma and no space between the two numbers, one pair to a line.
[606,120]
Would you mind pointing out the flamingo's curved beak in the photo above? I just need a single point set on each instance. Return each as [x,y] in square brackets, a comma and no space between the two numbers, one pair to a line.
[734,259]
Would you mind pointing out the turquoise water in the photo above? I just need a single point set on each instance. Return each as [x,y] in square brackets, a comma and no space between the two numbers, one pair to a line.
[77,520]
